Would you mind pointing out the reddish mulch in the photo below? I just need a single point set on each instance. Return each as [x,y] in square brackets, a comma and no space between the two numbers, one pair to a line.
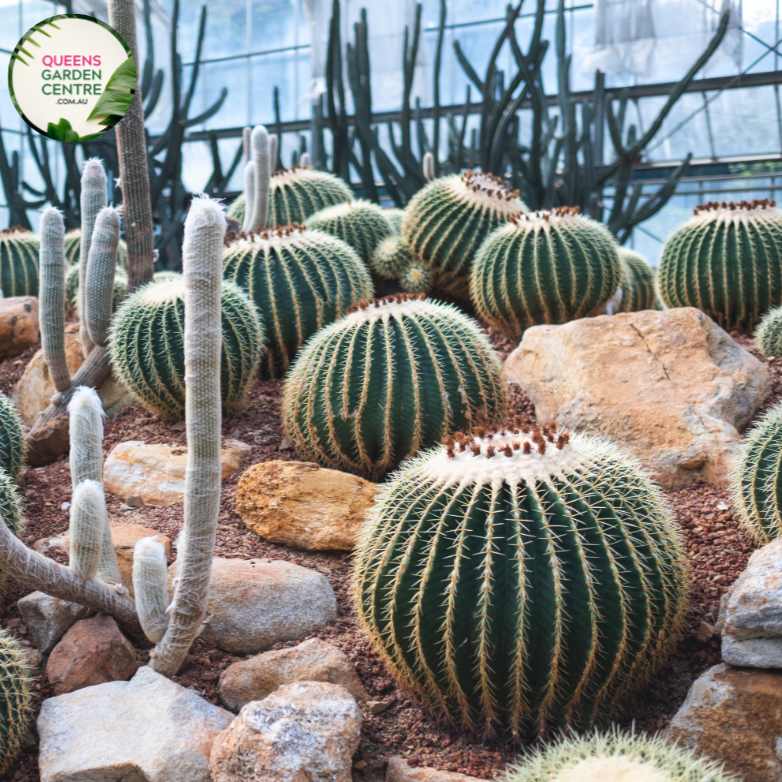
[717,549]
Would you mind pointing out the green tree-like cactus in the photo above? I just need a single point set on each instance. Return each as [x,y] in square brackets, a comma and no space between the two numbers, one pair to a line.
[301,280]
[727,262]
[19,262]
[418,278]
[544,267]
[362,224]
[521,580]
[637,282]
[72,288]
[15,710]
[11,438]
[73,249]
[147,347]
[616,757]
[389,379]
[768,334]
[447,220]
[391,258]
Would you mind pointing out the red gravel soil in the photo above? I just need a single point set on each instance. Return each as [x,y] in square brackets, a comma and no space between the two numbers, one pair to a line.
[717,549]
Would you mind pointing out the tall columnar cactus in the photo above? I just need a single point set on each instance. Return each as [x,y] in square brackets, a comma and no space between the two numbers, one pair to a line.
[727,262]
[391,378]
[301,280]
[521,580]
[249,194]
[88,520]
[148,353]
[768,334]
[72,288]
[447,220]
[637,283]
[262,171]
[150,586]
[616,757]
[544,267]
[73,249]
[19,251]
[363,225]
[11,438]
[101,269]
[428,166]
[52,297]
[15,709]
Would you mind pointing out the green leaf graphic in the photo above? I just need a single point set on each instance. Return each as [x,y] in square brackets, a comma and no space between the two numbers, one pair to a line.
[62,131]
[118,94]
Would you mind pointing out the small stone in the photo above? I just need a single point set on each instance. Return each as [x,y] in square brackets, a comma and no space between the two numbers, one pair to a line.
[706,630]
[304,731]
[48,618]
[399,770]
[360,765]
[18,325]
[65,506]
[93,651]
[313,660]
[134,501]
[377,707]
[285,444]
[303,505]
[179,426]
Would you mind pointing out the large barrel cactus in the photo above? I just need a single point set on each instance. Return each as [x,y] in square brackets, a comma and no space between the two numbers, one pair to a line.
[637,282]
[448,219]
[768,334]
[727,262]
[15,709]
[73,249]
[11,511]
[19,262]
[11,437]
[545,267]
[521,580]
[300,280]
[391,378]
[147,347]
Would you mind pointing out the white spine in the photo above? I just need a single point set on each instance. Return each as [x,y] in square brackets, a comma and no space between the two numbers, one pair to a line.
[150,587]
[88,520]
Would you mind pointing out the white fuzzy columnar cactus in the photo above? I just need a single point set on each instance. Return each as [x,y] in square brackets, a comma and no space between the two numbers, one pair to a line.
[52,297]
[101,266]
[202,256]
[429,166]
[88,519]
[249,194]
[150,579]
[262,163]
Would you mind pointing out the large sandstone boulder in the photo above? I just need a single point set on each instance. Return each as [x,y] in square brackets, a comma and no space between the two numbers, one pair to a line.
[18,325]
[399,770]
[671,387]
[313,661]
[734,715]
[48,618]
[149,729]
[304,731]
[303,505]
[156,473]
[255,604]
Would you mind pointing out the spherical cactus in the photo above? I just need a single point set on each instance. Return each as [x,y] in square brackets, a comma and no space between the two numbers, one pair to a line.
[11,438]
[391,258]
[15,711]
[727,262]
[362,224]
[418,278]
[166,276]
[448,219]
[768,335]
[19,262]
[616,757]
[73,249]
[147,348]
[544,267]
[395,217]
[72,287]
[301,281]
[389,379]
[521,580]
[637,283]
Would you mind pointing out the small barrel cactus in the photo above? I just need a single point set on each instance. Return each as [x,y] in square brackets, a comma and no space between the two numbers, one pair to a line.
[391,378]
[391,258]
[544,267]
[418,278]
[521,580]
[637,283]
[362,224]
[73,249]
[11,512]
[300,280]
[727,262]
[395,217]
[11,438]
[72,287]
[616,757]
[15,710]
[448,219]
[768,334]
[19,251]
[147,348]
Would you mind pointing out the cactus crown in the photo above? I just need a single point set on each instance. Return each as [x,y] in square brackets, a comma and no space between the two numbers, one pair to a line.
[480,188]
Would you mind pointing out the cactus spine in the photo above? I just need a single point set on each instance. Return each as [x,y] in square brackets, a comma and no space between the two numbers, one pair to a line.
[19,251]
[391,258]
[395,217]
[418,278]
[261,176]
[546,267]
[518,581]
[150,585]
[101,268]
[637,283]
[391,378]
[768,335]
[15,711]
[88,520]
[72,288]
[73,250]
[52,297]
[11,515]
[727,262]
[11,438]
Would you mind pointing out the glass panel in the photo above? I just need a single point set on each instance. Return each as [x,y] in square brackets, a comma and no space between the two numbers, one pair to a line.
[226,30]
[692,137]
[273,24]
[269,71]
[10,26]
[231,74]
[744,122]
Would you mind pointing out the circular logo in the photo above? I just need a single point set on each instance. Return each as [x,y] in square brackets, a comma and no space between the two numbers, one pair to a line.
[72,77]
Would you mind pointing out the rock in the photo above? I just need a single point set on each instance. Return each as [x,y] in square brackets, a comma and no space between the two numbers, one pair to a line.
[47,618]
[48,441]
[18,325]
[671,387]
[750,620]
[303,505]
[313,660]
[124,536]
[35,387]
[304,731]
[400,771]
[149,729]
[93,651]
[156,473]
[735,716]
[255,604]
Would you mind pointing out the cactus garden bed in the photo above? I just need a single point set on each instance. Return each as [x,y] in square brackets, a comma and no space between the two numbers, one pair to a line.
[717,551]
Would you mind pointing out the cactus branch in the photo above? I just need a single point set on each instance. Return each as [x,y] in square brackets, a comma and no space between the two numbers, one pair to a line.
[88,519]
[249,194]
[99,278]
[262,161]
[150,587]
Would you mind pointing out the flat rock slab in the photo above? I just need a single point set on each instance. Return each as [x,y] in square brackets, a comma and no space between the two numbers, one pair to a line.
[399,770]
[671,387]
[18,325]
[734,715]
[156,473]
[48,618]
[303,505]
[149,729]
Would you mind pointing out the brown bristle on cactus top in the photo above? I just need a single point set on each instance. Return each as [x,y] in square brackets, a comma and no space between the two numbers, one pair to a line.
[713,206]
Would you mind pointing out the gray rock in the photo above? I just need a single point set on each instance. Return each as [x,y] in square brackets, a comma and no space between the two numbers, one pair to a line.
[48,618]
[400,771]
[149,729]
